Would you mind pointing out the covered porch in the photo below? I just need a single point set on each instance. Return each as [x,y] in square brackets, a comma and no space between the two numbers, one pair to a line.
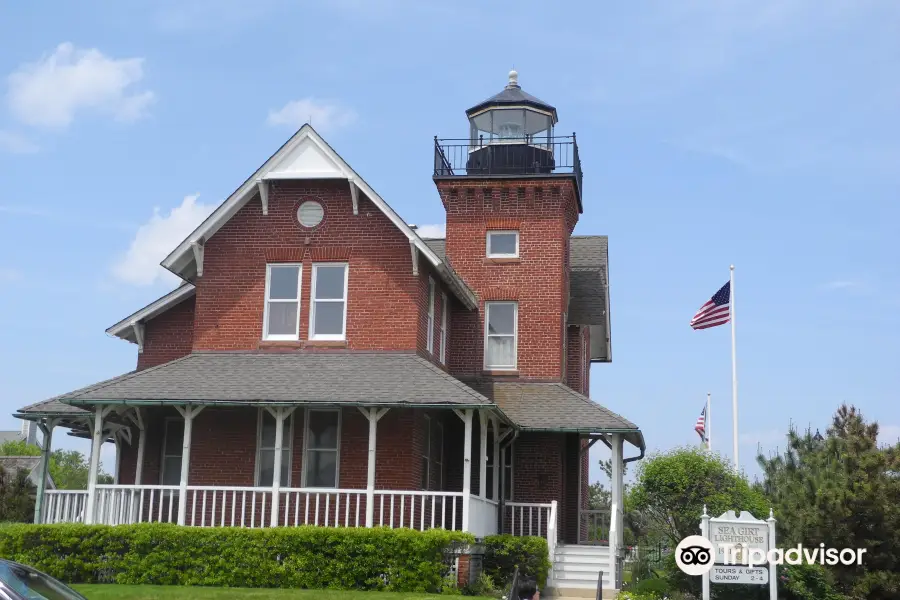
[245,440]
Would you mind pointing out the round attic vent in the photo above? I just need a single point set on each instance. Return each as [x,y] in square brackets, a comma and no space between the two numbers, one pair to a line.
[310,213]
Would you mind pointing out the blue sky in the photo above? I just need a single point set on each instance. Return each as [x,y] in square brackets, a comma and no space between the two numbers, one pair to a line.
[764,133]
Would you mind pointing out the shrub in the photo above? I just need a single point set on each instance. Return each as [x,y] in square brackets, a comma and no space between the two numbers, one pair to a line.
[807,582]
[503,553]
[300,557]
[655,585]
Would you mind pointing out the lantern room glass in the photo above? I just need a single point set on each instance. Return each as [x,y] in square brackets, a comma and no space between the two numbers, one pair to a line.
[510,126]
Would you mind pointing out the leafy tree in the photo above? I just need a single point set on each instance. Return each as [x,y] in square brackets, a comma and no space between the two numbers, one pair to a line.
[68,468]
[672,488]
[842,490]
[599,498]
[16,497]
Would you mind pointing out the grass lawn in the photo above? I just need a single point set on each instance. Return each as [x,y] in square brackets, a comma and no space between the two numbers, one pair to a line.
[163,592]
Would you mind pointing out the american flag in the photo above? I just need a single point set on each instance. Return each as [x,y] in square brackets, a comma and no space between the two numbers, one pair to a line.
[716,311]
[700,427]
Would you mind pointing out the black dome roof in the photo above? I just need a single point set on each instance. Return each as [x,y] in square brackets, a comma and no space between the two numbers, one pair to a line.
[513,95]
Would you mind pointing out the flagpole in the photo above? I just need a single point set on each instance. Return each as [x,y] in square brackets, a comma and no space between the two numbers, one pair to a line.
[708,424]
[734,394]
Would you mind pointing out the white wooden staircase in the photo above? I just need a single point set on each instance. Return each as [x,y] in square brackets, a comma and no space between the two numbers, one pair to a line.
[576,570]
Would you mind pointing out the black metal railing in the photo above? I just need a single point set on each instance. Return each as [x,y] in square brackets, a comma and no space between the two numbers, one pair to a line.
[594,527]
[532,155]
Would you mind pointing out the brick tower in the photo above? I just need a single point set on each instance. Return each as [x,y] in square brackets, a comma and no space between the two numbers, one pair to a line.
[512,192]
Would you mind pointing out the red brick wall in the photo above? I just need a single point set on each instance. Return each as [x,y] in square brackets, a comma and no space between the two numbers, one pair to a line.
[223,448]
[426,272]
[544,213]
[383,293]
[168,336]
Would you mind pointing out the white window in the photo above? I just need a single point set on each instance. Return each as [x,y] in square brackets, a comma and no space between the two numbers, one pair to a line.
[321,457]
[433,455]
[445,311]
[328,317]
[431,315]
[281,319]
[500,335]
[503,244]
[265,449]
[173,446]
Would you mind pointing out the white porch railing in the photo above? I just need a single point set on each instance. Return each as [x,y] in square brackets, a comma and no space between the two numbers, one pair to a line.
[482,516]
[64,506]
[529,518]
[221,506]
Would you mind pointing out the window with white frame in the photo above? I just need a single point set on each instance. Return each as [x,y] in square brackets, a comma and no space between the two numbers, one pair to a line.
[430,334]
[445,311]
[321,457]
[282,310]
[328,314]
[500,335]
[432,455]
[265,449]
[173,446]
[503,244]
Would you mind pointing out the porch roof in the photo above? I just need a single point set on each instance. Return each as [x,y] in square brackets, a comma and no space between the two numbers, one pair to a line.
[556,407]
[328,378]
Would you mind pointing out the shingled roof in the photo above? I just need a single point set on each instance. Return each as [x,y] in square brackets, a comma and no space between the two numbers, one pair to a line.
[556,407]
[329,378]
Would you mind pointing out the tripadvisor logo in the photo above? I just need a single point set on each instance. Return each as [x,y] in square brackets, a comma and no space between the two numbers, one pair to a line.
[695,555]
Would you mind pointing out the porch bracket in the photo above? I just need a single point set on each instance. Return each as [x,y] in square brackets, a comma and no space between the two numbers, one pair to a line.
[415,258]
[373,415]
[138,418]
[97,439]
[354,194]
[263,186]
[138,329]
[280,413]
[188,412]
[46,428]
[197,247]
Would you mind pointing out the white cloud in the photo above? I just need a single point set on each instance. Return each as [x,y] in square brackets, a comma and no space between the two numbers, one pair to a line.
[49,92]
[155,239]
[432,231]
[322,115]
[841,284]
[14,143]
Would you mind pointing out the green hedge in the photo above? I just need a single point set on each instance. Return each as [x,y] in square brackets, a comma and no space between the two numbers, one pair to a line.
[299,557]
[503,553]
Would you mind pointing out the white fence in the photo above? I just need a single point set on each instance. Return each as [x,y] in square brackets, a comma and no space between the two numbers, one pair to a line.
[482,516]
[208,506]
[64,506]
[531,518]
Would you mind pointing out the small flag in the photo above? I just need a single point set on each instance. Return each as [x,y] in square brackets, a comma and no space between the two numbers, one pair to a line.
[716,311]
[700,427]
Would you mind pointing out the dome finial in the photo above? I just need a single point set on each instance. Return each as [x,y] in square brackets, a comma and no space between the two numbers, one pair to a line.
[513,79]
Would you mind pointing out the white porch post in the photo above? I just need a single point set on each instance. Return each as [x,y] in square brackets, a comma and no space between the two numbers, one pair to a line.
[281,414]
[482,453]
[466,416]
[117,440]
[188,412]
[616,535]
[495,493]
[373,415]
[96,442]
[47,430]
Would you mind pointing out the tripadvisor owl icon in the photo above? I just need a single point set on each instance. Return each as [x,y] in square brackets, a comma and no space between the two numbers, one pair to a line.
[694,555]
